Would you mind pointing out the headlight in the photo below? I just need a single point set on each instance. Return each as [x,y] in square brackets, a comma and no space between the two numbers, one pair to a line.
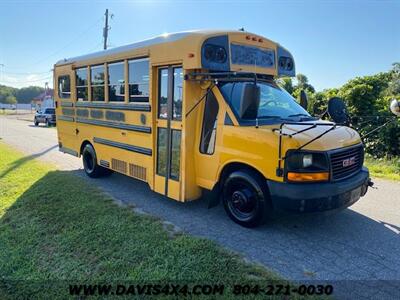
[306,166]
[307,160]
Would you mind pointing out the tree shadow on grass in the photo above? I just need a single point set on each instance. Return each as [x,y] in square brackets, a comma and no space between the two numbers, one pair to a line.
[347,246]
[63,231]
[19,162]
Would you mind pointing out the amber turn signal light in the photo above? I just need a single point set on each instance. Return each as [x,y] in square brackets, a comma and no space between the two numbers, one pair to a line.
[301,177]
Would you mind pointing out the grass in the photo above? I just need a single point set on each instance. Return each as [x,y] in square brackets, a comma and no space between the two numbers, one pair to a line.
[55,227]
[384,168]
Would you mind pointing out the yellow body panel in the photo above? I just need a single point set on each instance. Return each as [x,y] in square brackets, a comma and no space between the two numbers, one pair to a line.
[255,147]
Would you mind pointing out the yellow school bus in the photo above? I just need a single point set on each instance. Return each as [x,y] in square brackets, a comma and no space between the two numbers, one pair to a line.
[200,113]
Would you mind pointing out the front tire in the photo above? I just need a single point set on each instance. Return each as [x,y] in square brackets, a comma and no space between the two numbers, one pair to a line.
[36,122]
[246,198]
[92,169]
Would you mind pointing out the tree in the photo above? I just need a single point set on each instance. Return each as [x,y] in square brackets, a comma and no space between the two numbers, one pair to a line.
[10,100]
[394,84]
[26,94]
[286,83]
[302,84]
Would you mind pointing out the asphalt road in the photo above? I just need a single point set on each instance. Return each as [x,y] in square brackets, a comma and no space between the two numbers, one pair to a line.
[358,249]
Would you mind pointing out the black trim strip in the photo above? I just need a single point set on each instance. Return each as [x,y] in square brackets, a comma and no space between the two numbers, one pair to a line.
[67,104]
[135,107]
[65,118]
[141,150]
[69,151]
[138,128]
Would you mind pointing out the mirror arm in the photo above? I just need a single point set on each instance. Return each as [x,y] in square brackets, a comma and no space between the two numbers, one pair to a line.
[201,99]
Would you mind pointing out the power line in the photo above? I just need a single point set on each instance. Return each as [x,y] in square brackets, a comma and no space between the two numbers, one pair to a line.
[25,81]
[26,73]
[82,34]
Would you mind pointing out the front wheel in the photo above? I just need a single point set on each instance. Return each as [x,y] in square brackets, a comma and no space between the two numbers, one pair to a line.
[36,122]
[92,169]
[246,199]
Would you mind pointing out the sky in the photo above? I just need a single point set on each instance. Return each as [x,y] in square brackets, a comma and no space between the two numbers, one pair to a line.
[331,41]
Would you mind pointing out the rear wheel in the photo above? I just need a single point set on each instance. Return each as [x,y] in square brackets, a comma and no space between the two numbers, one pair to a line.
[92,169]
[246,199]
[48,123]
[36,122]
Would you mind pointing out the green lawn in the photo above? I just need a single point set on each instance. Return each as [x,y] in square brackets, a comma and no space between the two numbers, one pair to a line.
[383,168]
[54,226]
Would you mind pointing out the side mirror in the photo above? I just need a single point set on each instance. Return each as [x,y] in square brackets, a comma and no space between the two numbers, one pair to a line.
[250,101]
[303,99]
[337,111]
[395,107]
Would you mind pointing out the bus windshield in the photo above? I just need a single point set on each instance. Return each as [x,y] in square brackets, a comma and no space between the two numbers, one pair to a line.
[275,102]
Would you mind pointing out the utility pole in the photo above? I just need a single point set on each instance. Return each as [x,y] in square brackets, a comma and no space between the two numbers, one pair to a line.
[105,30]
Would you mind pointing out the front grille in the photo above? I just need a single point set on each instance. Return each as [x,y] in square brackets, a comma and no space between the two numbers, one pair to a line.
[345,162]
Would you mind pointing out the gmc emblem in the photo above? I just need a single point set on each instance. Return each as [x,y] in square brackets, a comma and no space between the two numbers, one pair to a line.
[349,161]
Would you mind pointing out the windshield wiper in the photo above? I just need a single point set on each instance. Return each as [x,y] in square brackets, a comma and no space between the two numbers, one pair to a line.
[269,117]
[305,117]
[299,115]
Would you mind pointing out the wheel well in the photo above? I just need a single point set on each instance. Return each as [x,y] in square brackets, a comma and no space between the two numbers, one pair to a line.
[235,166]
[83,146]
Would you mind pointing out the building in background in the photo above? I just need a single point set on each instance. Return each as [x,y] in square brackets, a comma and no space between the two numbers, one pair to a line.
[44,100]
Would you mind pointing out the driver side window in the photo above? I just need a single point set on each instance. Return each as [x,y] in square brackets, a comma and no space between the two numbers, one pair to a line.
[209,130]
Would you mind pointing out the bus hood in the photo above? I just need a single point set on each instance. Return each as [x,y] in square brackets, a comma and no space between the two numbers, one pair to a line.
[339,137]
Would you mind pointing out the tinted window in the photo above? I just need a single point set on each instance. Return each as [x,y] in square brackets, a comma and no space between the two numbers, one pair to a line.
[139,80]
[178,93]
[50,111]
[97,82]
[81,84]
[81,77]
[274,101]
[209,130]
[163,94]
[64,87]
[116,82]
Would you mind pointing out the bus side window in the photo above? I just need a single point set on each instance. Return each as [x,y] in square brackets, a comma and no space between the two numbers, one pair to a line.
[208,133]
[64,87]
[82,84]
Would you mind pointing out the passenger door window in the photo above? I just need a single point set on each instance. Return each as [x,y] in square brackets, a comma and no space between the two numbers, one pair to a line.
[177,103]
[169,130]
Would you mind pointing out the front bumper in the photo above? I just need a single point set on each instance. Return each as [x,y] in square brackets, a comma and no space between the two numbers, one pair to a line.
[314,197]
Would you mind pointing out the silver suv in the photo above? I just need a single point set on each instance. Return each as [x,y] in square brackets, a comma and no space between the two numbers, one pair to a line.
[48,116]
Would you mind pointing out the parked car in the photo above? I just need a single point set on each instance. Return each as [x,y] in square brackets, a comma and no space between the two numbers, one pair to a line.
[47,116]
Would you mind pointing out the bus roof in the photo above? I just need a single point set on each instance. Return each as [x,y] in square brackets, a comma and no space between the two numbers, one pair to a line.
[164,38]
[248,52]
